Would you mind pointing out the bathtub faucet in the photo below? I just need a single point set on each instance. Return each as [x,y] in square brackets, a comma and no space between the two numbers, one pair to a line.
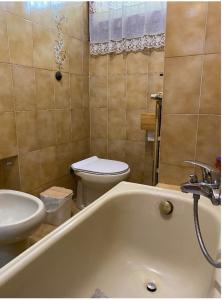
[209,186]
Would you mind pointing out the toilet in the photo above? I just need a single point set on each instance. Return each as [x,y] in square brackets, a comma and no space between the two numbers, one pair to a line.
[97,176]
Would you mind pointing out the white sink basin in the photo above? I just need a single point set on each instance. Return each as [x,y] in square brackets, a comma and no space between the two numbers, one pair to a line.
[20,214]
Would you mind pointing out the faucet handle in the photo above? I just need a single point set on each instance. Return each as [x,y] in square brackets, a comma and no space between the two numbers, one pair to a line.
[193,178]
[210,174]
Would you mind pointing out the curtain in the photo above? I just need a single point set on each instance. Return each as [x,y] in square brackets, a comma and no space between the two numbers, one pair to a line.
[117,26]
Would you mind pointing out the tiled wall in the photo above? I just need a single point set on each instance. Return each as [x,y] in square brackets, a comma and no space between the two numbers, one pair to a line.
[120,88]
[44,123]
[191,106]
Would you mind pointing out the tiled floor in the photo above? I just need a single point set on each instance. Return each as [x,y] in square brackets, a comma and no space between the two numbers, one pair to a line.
[40,232]
[45,229]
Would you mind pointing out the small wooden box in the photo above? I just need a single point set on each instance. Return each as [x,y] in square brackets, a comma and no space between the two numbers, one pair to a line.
[148,121]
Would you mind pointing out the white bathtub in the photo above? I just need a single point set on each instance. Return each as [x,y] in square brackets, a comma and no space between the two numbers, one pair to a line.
[118,244]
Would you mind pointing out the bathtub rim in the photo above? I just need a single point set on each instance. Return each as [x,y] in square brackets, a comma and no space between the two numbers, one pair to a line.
[123,188]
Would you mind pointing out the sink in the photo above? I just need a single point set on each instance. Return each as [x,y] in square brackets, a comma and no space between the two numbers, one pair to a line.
[20,214]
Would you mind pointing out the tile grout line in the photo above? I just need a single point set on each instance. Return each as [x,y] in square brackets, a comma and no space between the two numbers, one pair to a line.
[201,83]
[107,104]
[14,108]
[89,86]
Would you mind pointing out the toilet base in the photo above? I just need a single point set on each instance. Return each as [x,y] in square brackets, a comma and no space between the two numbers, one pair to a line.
[92,186]
[86,195]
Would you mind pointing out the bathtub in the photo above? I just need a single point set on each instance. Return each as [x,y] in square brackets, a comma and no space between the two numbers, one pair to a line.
[118,244]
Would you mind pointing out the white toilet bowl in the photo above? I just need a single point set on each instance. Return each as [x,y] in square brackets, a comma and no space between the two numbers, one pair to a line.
[97,176]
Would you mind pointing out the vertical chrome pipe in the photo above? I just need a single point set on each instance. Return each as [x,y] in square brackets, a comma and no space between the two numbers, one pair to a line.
[157,140]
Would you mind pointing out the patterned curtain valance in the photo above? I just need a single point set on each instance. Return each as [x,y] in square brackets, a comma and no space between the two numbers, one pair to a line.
[117,26]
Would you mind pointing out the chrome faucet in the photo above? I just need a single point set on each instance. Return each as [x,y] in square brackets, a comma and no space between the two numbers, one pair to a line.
[209,186]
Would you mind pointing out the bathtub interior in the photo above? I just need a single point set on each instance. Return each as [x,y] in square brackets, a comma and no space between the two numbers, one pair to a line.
[121,246]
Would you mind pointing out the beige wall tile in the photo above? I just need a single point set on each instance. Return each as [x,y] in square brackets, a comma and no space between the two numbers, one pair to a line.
[98,91]
[43,43]
[20,40]
[211,90]
[117,124]
[2,178]
[85,95]
[64,158]
[80,150]
[42,13]
[92,65]
[99,148]
[65,65]
[76,89]
[80,124]
[42,105]
[117,64]
[48,162]
[10,171]
[135,153]
[119,104]
[46,128]
[8,145]
[156,61]
[62,92]
[137,63]
[21,9]
[185,28]
[75,56]
[84,147]
[24,88]
[30,171]
[3,5]
[117,149]
[134,131]
[135,156]
[178,138]
[179,134]
[137,88]
[66,182]
[101,65]
[117,92]
[177,175]
[4,45]
[208,138]
[136,174]
[6,97]
[85,14]
[26,124]
[61,8]
[75,21]
[45,98]
[63,125]
[99,123]
[182,84]
[213,34]
[86,58]
[148,163]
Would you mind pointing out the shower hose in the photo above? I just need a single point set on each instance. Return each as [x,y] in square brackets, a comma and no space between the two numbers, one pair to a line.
[199,235]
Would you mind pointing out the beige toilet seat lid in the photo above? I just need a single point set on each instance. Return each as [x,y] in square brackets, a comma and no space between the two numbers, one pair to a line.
[97,165]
